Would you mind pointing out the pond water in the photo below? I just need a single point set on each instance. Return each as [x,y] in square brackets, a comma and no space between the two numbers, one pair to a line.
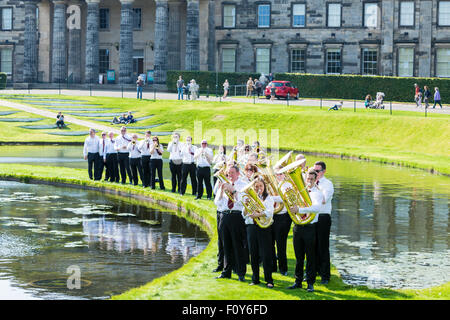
[390,225]
[48,234]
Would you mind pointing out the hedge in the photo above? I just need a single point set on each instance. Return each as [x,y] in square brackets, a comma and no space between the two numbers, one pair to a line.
[3,78]
[325,86]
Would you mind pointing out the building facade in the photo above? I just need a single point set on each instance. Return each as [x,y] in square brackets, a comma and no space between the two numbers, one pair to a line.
[51,41]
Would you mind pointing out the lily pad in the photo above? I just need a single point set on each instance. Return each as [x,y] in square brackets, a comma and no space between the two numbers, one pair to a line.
[151,222]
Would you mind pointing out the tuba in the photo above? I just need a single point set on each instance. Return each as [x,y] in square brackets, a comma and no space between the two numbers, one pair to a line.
[271,182]
[254,205]
[223,177]
[297,194]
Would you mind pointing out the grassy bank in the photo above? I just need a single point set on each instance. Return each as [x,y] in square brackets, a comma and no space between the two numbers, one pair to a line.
[405,138]
[195,280]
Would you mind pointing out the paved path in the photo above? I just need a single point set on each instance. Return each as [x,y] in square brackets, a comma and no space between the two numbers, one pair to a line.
[348,104]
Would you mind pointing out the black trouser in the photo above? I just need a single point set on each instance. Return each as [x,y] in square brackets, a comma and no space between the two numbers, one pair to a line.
[101,166]
[280,230]
[146,171]
[136,165]
[124,163]
[215,178]
[437,101]
[175,170]
[259,243]
[204,174]
[157,164]
[233,235]
[93,163]
[112,167]
[323,226]
[60,123]
[304,244]
[220,253]
[188,168]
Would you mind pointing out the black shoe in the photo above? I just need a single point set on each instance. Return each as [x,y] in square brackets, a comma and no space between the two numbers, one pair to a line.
[295,286]
[218,269]
[284,273]
[310,288]
[241,278]
[197,198]
[223,277]
[324,281]
[254,283]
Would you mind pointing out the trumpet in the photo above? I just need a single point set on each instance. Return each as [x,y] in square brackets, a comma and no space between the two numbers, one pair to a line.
[222,177]
[253,203]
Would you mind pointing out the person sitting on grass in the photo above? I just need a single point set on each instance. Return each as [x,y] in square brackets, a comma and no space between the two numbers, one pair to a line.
[337,106]
[60,120]
[368,101]
[130,118]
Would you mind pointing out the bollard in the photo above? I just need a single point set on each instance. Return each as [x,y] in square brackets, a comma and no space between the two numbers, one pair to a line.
[90,90]
[354,105]
[321,103]
[253,99]
[287,99]
[122,90]
[154,93]
[207,91]
[59,87]
[390,107]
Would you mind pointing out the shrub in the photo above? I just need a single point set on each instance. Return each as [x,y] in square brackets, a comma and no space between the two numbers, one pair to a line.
[3,78]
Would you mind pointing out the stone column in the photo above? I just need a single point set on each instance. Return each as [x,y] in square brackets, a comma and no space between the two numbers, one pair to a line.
[126,42]
[92,52]
[387,41]
[59,47]
[211,35]
[30,62]
[425,37]
[192,36]
[74,27]
[161,41]
[174,39]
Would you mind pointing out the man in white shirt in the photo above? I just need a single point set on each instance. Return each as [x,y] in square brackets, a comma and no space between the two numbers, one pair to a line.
[204,156]
[144,147]
[91,154]
[175,161]
[102,154]
[110,158]
[188,166]
[221,201]
[135,159]
[121,146]
[324,223]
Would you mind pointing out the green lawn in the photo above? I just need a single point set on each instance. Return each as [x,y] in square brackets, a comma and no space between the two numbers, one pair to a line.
[195,280]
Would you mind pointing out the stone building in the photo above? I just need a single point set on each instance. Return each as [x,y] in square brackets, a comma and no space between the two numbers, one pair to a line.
[52,41]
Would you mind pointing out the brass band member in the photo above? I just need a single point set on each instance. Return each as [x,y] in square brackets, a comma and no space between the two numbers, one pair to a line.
[144,147]
[121,145]
[219,159]
[204,156]
[91,154]
[175,161]
[135,160]
[156,151]
[233,228]
[188,166]
[250,170]
[260,239]
[305,236]
[112,164]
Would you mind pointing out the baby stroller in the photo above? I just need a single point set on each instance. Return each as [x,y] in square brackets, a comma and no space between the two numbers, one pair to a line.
[379,103]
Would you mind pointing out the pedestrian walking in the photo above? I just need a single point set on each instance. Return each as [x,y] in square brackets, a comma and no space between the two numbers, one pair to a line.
[250,85]
[226,88]
[417,95]
[139,87]
[180,86]
[426,96]
[437,97]
[193,88]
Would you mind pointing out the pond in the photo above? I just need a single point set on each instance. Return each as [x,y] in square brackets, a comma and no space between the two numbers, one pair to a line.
[49,234]
[390,225]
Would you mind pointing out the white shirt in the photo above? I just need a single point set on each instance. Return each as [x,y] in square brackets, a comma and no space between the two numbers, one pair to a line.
[187,153]
[317,206]
[175,150]
[154,153]
[268,204]
[326,186]
[221,201]
[134,150]
[91,145]
[201,160]
[121,143]
[102,147]
[144,147]
[109,148]
[238,185]
[219,157]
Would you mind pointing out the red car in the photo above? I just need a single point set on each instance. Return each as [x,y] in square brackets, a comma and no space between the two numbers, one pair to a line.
[282,89]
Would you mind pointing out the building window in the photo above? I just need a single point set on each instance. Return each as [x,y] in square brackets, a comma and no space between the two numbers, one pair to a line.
[263,60]
[334,61]
[6,61]
[444,13]
[298,15]
[37,18]
[228,60]
[6,18]
[407,13]
[137,18]
[443,62]
[405,62]
[369,61]
[298,60]
[264,16]
[138,61]
[229,16]
[103,60]
[104,18]
[370,15]
[334,14]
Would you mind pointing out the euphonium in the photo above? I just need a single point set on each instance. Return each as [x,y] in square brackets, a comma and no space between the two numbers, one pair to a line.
[254,205]
[297,195]
[286,160]
[271,183]
[222,177]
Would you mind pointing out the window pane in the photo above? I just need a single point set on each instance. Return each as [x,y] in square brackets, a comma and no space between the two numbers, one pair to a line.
[334,14]
[443,63]
[6,61]
[7,19]
[298,60]
[405,62]
[370,15]
[263,15]
[263,60]
[104,18]
[407,13]
[369,63]
[444,13]
[229,14]
[298,11]
[334,61]
[228,60]
[103,60]
[137,18]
